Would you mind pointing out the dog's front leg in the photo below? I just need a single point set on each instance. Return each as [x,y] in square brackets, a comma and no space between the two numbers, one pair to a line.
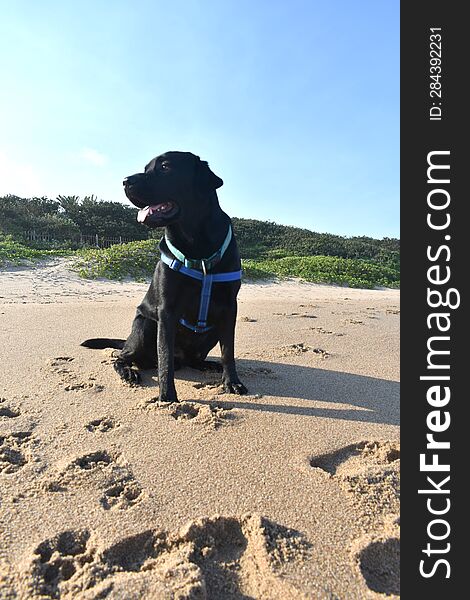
[165,351]
[230,379]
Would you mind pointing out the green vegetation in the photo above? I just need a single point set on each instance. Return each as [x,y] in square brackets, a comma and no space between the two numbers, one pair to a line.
[268,249]
[353,272]
[137,260]
[265,240]
[63,220]
[18,215]
[15,253]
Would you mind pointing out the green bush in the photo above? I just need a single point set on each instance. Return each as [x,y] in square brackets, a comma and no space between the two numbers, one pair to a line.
[268,249]
[13,252]
[263,239]
[137,260]
[328,269]
[107,219]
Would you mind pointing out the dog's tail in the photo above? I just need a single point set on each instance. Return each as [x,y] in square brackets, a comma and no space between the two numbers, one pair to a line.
[101,343]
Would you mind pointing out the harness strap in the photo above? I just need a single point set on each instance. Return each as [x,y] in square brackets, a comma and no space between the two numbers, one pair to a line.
[201,263]
[205,301]
[195,328]
[176,265]
[206,289]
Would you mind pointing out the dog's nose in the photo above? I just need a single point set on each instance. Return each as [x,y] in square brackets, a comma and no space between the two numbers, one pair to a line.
[130,180]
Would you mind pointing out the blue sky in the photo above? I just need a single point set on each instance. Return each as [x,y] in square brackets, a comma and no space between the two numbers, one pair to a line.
[294,103]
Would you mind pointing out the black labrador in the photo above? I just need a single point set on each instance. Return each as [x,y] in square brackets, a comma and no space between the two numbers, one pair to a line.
[177,191]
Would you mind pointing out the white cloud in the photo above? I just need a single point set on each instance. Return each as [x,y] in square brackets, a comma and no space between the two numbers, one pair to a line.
[20,179]
[93,157]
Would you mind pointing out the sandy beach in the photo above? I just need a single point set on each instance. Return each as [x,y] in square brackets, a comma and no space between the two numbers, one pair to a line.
[288,492]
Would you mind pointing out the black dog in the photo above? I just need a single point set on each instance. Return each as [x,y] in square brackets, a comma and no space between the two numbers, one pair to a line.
[192,301]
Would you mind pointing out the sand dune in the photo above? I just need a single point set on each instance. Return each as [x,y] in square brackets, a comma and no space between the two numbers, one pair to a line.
[289,492]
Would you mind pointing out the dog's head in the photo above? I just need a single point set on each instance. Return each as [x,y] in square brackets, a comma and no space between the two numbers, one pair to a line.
[174,186]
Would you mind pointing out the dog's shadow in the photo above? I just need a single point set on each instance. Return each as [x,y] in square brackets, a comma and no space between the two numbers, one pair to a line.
[375,400]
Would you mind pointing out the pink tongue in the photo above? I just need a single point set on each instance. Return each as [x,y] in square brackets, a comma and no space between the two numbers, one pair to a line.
[161,208]
[142,214]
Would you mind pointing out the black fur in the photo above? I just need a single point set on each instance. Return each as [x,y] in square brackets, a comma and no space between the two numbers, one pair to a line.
[197,226]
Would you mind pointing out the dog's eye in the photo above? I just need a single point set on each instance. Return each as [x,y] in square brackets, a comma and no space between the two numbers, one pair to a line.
[165,166]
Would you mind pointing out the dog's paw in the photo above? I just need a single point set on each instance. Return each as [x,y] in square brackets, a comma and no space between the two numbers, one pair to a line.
[232,387]
[168,396]
[126,373]
[166,400]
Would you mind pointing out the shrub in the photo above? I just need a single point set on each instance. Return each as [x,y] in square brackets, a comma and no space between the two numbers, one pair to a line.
[138,259]
[329,269]
[135,259]
[13,252]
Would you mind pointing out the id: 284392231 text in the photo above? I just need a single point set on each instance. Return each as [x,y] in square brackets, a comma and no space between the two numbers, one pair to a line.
[435,73]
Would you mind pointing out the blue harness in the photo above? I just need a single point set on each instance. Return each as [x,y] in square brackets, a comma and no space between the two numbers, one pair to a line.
[184,266]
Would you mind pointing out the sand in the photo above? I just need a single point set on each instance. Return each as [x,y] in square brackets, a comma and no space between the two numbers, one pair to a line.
[288,492]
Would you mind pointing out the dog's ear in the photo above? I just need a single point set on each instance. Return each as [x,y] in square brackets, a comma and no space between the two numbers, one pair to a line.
[205,179]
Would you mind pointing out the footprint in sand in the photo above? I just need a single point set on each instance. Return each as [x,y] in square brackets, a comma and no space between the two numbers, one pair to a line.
[7,411]
[370,470]
[103,470]
[59,361]
[124,494]
[321,330]
[94,460]
[15,451]
[57,560]
[326,331]
[301,348]
[377,558]
[102,425]
[209,415]
[354,322]
[219,557]
[296,315]
[72,387]
[340,461]
[61,366]
[248,320]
